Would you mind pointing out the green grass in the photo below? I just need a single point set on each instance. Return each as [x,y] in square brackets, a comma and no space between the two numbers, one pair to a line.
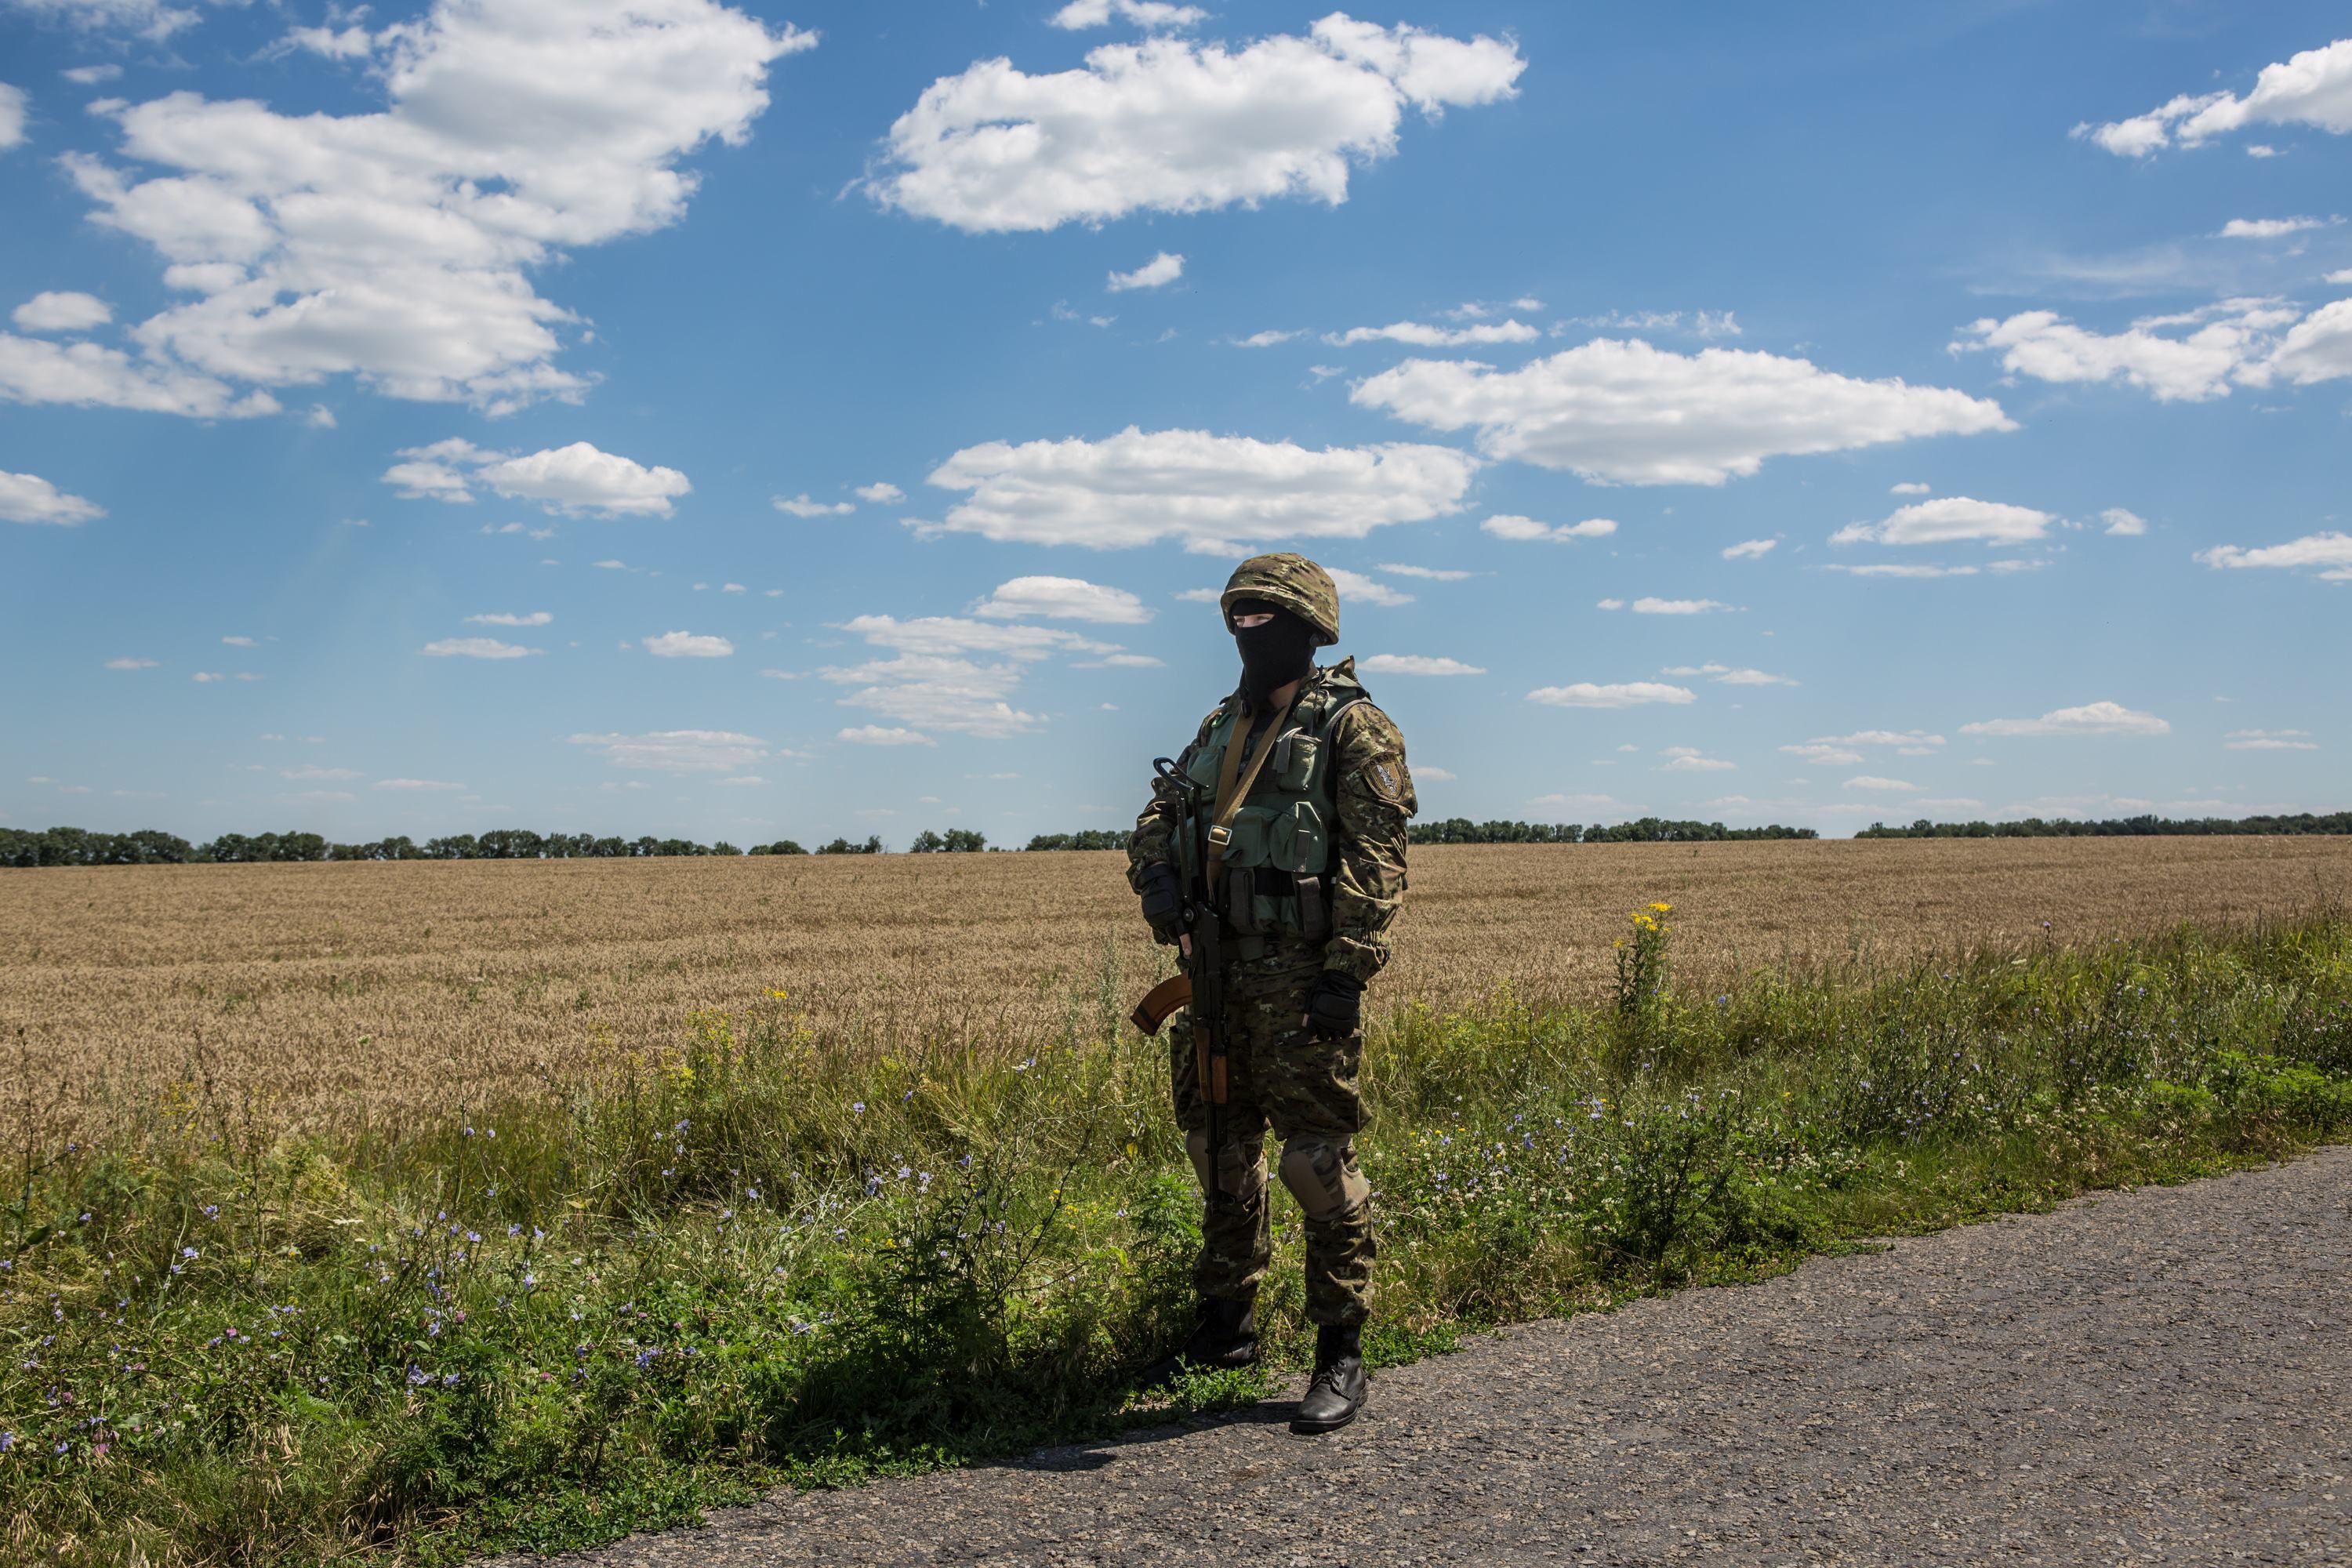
[773,1258]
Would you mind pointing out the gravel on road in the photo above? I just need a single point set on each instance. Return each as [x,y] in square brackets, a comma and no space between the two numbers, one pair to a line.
[2156,1376]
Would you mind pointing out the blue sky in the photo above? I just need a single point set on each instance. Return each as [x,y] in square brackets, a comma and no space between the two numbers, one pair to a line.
[755,421]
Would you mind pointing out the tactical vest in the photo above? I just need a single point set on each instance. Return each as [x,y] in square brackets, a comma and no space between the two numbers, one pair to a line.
[1278,865]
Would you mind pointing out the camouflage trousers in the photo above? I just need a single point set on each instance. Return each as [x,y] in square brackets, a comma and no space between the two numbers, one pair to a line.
[1304,1088]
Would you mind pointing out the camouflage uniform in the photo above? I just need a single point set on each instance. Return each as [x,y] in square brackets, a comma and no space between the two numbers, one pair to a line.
[1279,1073]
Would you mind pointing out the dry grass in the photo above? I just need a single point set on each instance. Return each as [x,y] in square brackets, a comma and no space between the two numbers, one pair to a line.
[356,992]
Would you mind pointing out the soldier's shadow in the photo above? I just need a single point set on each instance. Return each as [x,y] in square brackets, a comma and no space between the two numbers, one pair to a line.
[1097,1453]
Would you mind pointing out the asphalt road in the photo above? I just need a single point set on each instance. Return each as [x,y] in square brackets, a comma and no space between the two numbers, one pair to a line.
[2157,1376]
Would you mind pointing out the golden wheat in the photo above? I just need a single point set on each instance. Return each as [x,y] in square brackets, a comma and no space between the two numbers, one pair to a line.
[366,992]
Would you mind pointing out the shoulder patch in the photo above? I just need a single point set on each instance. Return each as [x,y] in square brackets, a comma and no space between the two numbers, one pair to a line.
[1386,778]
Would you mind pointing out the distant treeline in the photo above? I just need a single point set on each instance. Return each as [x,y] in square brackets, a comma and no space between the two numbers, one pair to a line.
[2301,823]
[1642,830]
[150,847]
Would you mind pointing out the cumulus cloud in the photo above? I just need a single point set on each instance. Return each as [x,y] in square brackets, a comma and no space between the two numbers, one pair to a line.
[1884,787]
[1950,520]
[1169,125]
[90,375]
[55,312]
[1510,525]
[415,786]
[935,692]
[1624,412]
[947,636]
[801,506]
[1160,270]
[575,479]
[1355,588]
[1415,664]
[882,492]
[2120,522]
[2330,551]
[686,645]
[1420,335]
[1903,569]
[131,664]
[149,19]
[2271,228]
[2090,718]
[397,245]
[678,751]
[475,647]
[1628,694]
[12,116]
[1655,606]
[1825,754]
[1214,493]
[1149,13]
[1751,549]
[536,619]
[1267,339]
[1691,760]
[1728,675]
[28,498]
[2314,88]
[2190,356]
[883,735]
[1063,599]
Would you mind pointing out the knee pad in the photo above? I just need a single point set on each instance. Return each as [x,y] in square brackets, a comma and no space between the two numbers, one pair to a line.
[1244,1170]
[1324,1177]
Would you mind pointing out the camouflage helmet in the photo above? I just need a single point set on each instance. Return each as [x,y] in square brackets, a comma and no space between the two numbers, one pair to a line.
[1292,582]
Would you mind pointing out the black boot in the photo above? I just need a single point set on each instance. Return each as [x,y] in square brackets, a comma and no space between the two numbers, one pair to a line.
[1338,1390]
[1226,1336]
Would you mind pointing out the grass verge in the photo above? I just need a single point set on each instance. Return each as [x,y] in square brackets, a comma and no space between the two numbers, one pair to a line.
[771,1258]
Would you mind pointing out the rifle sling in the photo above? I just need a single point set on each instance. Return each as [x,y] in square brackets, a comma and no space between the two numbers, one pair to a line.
[1233,785]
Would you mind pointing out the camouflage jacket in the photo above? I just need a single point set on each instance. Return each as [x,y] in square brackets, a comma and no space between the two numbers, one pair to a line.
[1375,800]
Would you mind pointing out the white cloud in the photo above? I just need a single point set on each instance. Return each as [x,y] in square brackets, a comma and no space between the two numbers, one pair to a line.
[686,645]
[1510,525]
[742,781]
[1652,607]
[2270,741]
[939,693]
[1951,519]
[131,664]
[882,492]
[536,619]
[1825,754]
[399,246]
[2314,88]
[1728,675]
[12,116]
[1629,694]
[678,751]
[801,506]
[575,479]
[1063,599]
[2092,718]
[946,635]
[415,786]
[883,735]
[88,375]
[1149,13]
[2271,228]
[1884,786]
[733,588]
[2121,522]
[1691,760]
[1751,549]
[477,647]
[1266,339]
[28,498]
[90,76]
[2189,357]
[1169,126]
[2341,276]
[149,19]
[1433,775]
[1415,664]
[234,641]
[2330,550]
[1700,324]
[53,311]
[1610,604]
[1355,588]
[1626,412]
[1421,335]
[1428,573]
[2318,348]
[311,772]
[1903,569]
[1214,493]
[1162,269]
[1909,487]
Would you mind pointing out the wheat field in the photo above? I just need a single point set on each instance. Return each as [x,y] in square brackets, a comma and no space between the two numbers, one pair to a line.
[363,992]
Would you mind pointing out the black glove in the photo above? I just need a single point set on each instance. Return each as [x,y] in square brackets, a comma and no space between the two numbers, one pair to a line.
[1335,1007]
[1163,900]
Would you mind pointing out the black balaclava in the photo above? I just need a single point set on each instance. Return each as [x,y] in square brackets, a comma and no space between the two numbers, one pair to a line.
[1273,654]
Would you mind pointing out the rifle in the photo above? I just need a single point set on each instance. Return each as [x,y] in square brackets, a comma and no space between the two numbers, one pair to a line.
[1200,986]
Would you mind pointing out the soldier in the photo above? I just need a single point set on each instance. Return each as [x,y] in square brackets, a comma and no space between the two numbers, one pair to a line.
[1310,779]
